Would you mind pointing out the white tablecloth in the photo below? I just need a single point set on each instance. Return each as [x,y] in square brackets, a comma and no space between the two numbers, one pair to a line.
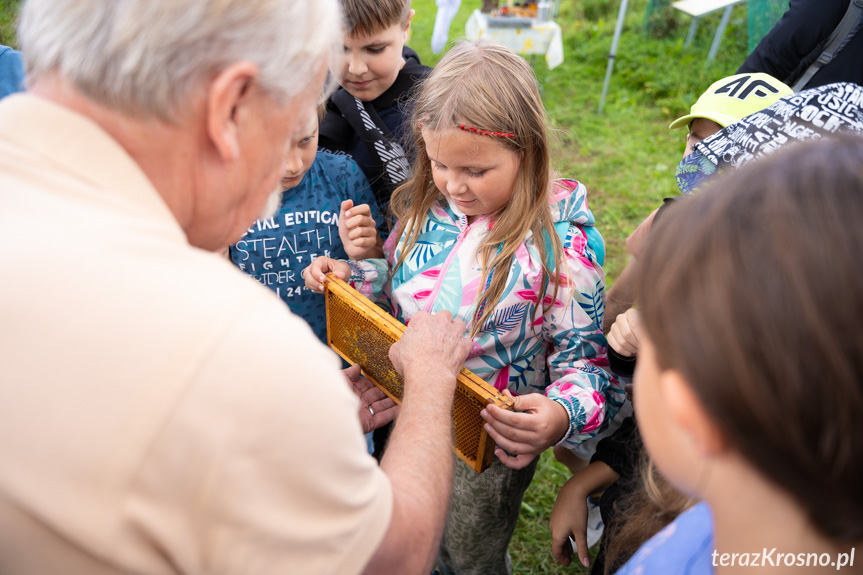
[538,38]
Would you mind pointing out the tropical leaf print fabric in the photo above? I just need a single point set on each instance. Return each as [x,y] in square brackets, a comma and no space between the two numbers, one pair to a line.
[554,346]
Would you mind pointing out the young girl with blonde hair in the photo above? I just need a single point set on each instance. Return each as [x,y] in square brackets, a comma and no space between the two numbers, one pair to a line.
[485,232]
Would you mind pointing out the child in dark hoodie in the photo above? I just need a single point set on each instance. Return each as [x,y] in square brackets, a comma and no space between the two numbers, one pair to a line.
[367,118]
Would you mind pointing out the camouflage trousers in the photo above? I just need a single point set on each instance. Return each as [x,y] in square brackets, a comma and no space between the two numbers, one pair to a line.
[482,516]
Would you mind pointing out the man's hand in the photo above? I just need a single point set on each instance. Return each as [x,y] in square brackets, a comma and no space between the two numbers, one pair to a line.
[376,408]
[431,344]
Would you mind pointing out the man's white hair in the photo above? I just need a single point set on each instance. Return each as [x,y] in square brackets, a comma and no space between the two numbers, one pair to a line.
[148,57]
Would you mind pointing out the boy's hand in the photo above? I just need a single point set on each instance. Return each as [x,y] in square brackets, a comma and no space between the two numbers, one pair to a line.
[569,517]
[535,423]
[624,336]
[357,231]
[315,274]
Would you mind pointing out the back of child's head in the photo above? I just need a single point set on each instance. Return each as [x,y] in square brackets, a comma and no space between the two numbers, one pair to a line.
[753,291]
[485,88]
[733,98]
[367,17]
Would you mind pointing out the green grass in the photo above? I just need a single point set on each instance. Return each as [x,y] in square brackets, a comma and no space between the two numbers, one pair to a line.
[625,156]
[8,11]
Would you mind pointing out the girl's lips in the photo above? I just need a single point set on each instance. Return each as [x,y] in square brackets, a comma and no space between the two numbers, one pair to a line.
[360,84]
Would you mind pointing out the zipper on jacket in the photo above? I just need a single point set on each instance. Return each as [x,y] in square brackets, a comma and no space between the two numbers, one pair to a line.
[459,239]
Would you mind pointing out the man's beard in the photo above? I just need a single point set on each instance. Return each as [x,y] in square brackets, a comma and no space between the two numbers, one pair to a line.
[272,205]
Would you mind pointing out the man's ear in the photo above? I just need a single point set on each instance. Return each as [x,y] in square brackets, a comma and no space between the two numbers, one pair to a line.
[228,93]
[689,415]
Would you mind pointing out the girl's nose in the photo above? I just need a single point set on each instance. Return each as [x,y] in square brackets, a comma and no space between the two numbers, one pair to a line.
[454,185]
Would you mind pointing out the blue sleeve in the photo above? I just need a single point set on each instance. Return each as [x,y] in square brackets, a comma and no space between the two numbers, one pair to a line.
[11,71]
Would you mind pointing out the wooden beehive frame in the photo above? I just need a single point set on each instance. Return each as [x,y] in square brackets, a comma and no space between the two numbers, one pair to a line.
[362,333]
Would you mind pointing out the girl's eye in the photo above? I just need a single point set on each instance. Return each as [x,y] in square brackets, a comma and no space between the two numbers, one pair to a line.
[437,166]
[476,174]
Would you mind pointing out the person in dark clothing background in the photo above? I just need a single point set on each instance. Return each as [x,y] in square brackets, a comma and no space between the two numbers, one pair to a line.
[800,36]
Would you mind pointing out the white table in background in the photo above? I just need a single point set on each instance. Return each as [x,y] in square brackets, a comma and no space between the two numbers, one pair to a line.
[699,8]
[539,38]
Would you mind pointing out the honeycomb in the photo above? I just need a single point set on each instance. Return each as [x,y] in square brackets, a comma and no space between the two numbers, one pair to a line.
[362,333]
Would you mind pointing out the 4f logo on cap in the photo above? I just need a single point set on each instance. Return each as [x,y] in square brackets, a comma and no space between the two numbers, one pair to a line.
[745,87]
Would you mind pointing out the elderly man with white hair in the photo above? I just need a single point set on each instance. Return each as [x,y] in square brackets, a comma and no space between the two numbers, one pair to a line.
[159,412]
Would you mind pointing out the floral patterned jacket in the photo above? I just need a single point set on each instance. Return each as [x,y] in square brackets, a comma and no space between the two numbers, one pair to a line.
[561,353]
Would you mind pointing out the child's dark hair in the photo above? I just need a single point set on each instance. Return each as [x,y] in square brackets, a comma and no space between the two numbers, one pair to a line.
[367,17]
[753,291]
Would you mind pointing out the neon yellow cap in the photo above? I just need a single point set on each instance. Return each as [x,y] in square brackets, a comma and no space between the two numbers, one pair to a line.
[733,98]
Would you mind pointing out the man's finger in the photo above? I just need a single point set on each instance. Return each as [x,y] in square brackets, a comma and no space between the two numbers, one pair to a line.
[384,415]
[352,373]
[372,393]
[381,405]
